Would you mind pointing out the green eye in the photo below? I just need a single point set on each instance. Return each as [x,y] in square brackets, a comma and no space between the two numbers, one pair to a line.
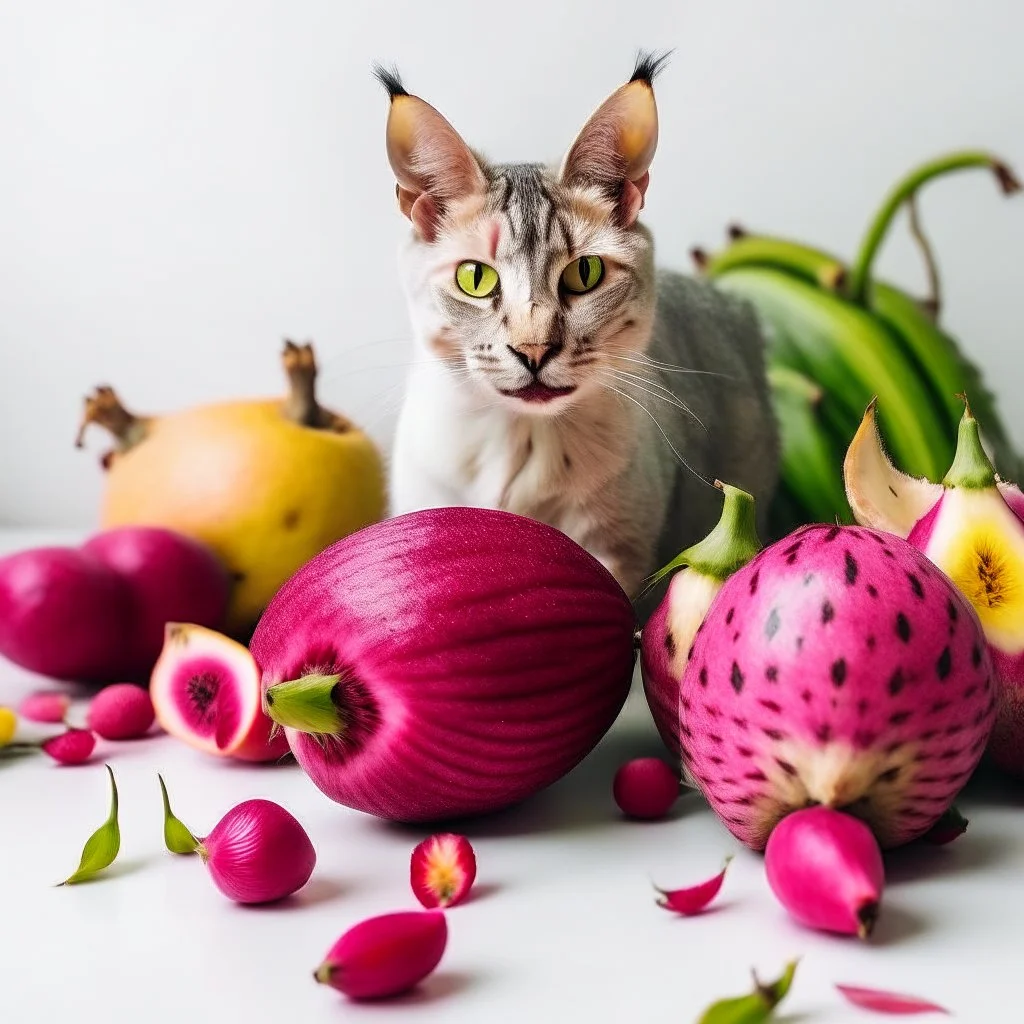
[476,279]
[583,275]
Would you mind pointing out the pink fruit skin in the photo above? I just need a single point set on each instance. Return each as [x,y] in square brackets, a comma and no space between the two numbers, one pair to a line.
[442,870]
[645,788]
[63,614]
[839,666]
[172,578]
[44,706]
[122,711]
[660,684]
[482,656]
[386,955]
[825,868]
[74,746]
[260,745]
[258,853]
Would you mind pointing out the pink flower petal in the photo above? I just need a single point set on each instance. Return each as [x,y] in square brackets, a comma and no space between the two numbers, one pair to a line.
[694,899]
[888,1002]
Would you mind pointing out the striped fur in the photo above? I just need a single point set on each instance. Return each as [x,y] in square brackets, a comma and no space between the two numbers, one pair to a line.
[668,374]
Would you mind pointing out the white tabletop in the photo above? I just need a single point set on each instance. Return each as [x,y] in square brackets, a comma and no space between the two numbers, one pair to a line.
[564,926]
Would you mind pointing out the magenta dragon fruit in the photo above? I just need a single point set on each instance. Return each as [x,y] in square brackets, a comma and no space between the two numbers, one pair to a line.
[838,667]
[972,527]
[700,571]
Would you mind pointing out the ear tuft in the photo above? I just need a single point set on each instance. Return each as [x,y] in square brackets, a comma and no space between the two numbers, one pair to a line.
[649,65]
[390,79]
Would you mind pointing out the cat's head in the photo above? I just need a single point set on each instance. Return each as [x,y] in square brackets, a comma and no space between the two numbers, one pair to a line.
[535,285]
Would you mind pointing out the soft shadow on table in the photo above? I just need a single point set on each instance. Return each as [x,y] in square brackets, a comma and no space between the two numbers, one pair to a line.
[972,851]
[988,787]
[895,925]
[441,986]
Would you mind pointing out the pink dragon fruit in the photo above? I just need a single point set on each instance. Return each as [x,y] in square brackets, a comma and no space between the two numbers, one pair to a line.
[972,527]
[838,667]
[669,632]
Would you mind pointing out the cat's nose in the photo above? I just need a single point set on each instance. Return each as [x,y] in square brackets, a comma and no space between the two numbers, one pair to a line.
[534,357]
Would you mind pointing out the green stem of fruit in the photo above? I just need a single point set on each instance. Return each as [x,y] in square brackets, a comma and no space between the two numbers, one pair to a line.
[729,546]
[860,273]
[971,469]
[306,704]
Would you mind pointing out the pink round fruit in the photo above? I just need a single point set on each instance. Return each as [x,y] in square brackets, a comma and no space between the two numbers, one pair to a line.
[73,746]
[645,787]
[122,711]
[205,690]
[839,667]
[48,706]
[64,614]
[172,578]
[444,663]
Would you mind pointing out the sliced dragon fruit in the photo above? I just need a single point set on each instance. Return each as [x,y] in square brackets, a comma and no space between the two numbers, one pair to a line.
[206,691]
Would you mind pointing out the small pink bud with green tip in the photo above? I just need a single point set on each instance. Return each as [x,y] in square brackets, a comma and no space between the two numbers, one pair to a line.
[46,706]
[385,956]
[73,746]
[257,853]
[102,846]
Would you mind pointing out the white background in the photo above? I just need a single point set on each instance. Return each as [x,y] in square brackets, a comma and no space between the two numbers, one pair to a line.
[182,185]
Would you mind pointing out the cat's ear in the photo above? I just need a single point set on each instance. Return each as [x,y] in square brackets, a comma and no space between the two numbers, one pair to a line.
[433,167]
[616,146]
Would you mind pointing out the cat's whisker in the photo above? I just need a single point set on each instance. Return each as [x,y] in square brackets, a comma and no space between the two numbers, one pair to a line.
[672,399]
[668,441]
[650,361]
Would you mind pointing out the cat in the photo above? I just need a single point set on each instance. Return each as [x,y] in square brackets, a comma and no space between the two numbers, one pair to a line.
[558,374]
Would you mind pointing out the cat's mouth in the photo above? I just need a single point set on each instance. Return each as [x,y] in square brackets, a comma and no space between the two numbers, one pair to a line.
[537,392]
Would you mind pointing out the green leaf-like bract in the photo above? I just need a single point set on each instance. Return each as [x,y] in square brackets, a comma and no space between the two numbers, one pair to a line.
[177,837]
[103,845]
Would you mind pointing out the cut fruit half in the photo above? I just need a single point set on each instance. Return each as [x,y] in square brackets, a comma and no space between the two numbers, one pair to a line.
[206,692]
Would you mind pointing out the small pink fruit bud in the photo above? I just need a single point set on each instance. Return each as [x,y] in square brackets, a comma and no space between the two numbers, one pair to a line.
[645,788]
[386,955]
[825,867]
[123,711]
[49,706]
[694,899]
[74,746]
[443,870]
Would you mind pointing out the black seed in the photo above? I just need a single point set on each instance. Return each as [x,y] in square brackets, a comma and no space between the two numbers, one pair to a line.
[736,636]
[743,801]
[976,656]
[823,732]
[754,580]
[851,568]
[835,703]
[864,739]
[685,730]
[785,766]
[712,710]
[896,682]
[729,616]
[862,706]
[957,727]
[833,532]
[887,553]
[952,754]
[670,645]
[828,613]
[915,585]
[702,676]
[716,760]
[872,590]
[808,578]
[970,691]
[791,551]
[951,610]
[799,643]
[893,747]
[771,673]
[839,672]
[890,775]
[689,653]
[756,776]
[929,734]
[744,751]
[871,643]
[770,705]
[771,627]
[736,678]
[899,717]
[807,696]
[774,734]
[939,706]
[714,737]
[740,723]
[684,703]
[902,627]
[945,663]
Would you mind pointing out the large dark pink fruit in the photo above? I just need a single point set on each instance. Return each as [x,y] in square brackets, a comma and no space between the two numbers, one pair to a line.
[839,667]
[64,614]
[172,578]
[446,662]
[206,692]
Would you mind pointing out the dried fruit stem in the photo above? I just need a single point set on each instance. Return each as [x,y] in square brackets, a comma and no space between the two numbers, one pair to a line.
[933,303]
[860,275]
[105,409]
[307,704]
[301,405]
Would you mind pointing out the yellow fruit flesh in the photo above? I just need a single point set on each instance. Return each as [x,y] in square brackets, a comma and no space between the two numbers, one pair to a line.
[266,494]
